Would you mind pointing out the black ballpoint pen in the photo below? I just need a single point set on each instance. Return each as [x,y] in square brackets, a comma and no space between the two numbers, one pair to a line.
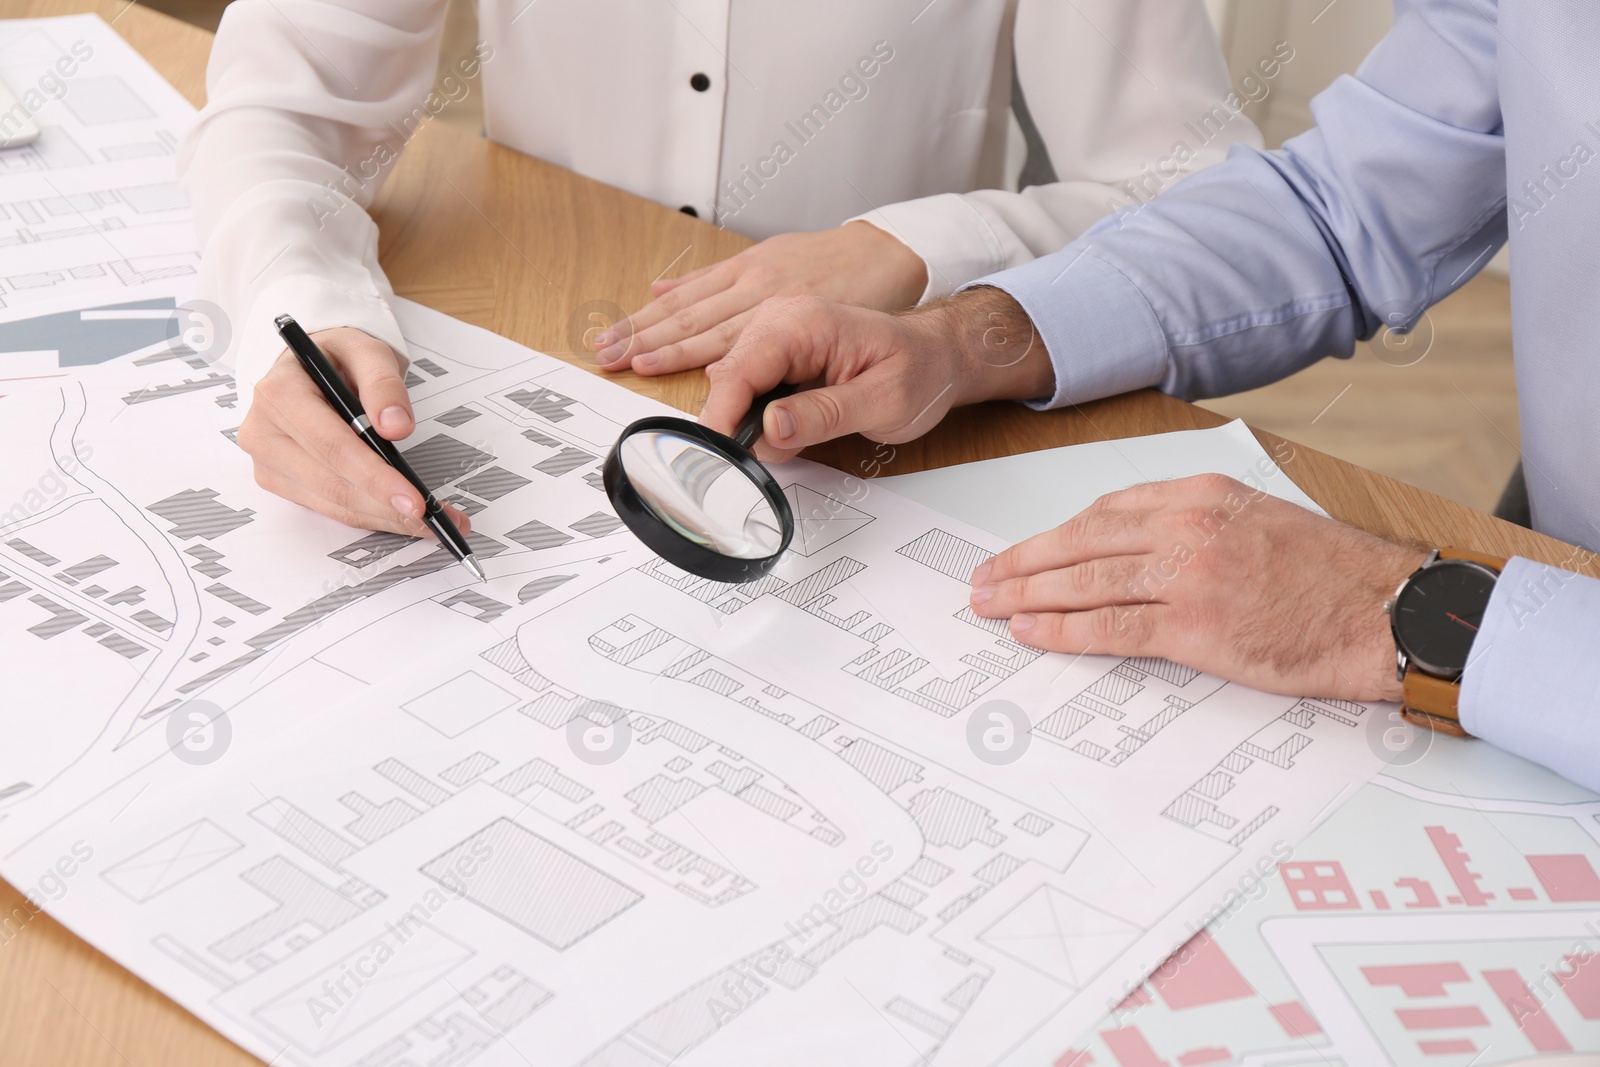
[343,401]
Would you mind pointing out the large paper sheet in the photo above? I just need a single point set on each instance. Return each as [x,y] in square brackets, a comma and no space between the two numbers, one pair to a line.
[1015,497]
[96,244]
[348,807]
[1447,913]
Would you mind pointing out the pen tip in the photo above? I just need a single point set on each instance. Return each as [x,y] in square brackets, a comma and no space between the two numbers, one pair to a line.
[472,565]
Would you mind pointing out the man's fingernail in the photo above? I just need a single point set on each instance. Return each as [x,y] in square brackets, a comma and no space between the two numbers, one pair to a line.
[604,338]
[981,575]
[393,418]
[1021,624]
[402,504]
[783,422]
[983,594]
[647,359]
[611,353]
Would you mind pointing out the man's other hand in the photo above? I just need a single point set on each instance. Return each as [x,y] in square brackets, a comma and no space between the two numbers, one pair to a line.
[1213,574]
[888,377]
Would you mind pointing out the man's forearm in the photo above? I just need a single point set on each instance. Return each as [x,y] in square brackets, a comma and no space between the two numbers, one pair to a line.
[999,354]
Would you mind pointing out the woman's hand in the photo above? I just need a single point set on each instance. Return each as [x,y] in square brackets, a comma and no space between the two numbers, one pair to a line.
[306,453]
[696,319]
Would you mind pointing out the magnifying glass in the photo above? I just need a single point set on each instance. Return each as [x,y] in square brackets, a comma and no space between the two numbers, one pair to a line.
[699,499]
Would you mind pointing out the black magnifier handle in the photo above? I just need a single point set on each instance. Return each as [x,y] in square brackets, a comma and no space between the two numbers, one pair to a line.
[749,428]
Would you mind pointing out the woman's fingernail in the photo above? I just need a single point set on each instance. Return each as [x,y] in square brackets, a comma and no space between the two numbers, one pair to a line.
[611,353]
[983,594]
[604,338]
[647,359]
[981,575]
[402,504]
[1021,624]
[783,421]
[393,418]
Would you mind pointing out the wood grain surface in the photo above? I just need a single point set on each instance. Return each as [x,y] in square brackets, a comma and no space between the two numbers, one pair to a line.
[530,251]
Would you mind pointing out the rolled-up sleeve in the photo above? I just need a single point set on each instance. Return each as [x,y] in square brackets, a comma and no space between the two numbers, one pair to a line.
[1270,261]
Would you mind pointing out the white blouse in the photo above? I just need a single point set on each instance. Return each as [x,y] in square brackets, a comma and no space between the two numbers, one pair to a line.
[761,116]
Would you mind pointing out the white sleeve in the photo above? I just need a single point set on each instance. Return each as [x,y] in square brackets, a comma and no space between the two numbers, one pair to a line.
[309,103]
[1122,91]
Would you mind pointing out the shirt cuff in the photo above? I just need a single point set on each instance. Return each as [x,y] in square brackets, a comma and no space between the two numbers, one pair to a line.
[955,241]
[315,305]
[1532,686]
[1101,333]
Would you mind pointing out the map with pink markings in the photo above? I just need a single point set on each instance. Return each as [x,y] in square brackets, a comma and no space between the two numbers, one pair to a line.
[1448,913]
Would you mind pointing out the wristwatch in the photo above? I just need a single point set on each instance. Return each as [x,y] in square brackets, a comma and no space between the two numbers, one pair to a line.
[1434,616]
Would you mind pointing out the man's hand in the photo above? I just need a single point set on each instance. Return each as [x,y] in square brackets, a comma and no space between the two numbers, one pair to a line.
[696,319]
[1212,574]
[888,377]
[305,453]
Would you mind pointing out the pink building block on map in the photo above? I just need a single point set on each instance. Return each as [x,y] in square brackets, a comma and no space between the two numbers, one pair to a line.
[1566,878]
[1447,1047]
[1540,1030]
[1458,863]
[1199,973]
[1318,886]
[1130,1048]
[1423,893]
[1295,1020]
[1416,979]
[1441,1018]
[1581,983]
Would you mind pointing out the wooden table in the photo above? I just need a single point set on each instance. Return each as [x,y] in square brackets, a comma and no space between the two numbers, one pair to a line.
[525,249]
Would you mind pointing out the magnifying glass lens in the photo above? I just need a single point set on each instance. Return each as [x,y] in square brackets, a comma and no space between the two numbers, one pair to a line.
[699,499]
[701,494]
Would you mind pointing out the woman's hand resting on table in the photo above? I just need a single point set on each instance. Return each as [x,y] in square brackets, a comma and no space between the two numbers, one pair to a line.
[695,319]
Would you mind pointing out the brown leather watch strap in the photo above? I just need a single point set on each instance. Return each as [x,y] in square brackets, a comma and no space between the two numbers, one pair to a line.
[1432,702]
[1495,563]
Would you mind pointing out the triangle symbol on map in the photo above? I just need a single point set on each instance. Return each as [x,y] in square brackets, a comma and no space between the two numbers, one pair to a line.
[820,520]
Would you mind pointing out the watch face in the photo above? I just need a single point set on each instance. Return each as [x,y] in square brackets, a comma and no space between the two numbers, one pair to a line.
[1438,613]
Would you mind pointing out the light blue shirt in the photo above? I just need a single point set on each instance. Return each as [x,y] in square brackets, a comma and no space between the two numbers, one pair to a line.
[1470,122]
